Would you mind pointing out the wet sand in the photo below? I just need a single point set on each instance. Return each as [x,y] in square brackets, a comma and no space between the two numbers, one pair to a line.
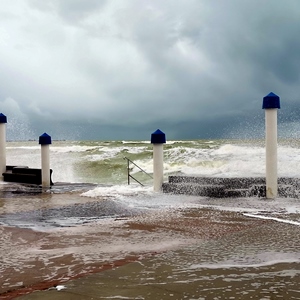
[178,248]
[34,260]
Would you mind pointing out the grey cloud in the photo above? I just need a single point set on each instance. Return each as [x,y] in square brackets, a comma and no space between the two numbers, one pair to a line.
[71,11]
[196,68]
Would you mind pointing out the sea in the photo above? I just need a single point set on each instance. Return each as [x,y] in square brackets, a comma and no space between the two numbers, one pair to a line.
[122,172]
[104,162]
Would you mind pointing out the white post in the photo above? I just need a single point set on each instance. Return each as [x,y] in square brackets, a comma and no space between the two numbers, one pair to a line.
[3,121]
[271,103]
[45,141]
[271,153]
[158,167]
[158,138]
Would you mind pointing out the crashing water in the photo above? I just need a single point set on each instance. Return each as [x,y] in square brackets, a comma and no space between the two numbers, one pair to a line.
[258,263]
[103,161]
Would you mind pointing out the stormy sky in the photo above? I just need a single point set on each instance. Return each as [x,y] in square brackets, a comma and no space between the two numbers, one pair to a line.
[120,69]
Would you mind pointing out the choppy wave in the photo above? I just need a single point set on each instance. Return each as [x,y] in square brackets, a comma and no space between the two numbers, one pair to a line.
[103,161]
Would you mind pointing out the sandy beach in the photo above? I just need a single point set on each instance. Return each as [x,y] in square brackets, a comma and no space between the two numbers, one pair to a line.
[35,260]
[54,239]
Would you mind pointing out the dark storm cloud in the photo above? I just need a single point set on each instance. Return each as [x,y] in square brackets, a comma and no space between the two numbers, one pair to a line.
[193,69]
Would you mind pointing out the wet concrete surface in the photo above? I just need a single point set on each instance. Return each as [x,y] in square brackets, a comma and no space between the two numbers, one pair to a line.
[30,211]
[9,190]
[66,216]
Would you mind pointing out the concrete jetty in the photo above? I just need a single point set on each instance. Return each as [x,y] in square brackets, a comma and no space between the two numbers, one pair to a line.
[220,187]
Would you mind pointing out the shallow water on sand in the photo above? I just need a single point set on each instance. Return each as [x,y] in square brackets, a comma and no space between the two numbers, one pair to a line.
[258,263]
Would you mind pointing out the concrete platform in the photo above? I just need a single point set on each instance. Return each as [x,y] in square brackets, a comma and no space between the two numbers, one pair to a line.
[219,187]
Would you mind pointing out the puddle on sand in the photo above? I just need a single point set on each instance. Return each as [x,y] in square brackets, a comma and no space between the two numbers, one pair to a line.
[259,263]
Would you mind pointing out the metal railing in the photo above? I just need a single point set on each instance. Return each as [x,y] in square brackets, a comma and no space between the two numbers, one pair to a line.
[128,171]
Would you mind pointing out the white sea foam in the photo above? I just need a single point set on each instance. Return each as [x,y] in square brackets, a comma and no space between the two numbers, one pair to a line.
[37,147]
[60,287]
[272,218]
[232,264]
[137,150]
[117,191]
[111,153]
[142,197]
[178,142]
[146,165]
[226,161]
[266,258]
[100,157]
[74,148]
[230,160]
[135,142]
[137,197]
[292,209]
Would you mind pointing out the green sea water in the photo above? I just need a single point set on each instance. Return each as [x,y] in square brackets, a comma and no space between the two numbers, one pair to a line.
[103,161]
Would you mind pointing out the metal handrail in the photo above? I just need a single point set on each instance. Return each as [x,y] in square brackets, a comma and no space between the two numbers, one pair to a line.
[128,171]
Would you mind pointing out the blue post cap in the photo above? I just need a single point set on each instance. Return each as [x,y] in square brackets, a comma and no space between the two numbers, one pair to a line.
[45,139]
[158,137]
[271,101]
[3,118]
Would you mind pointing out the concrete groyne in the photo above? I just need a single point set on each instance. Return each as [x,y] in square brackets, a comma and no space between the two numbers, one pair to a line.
[220,187]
